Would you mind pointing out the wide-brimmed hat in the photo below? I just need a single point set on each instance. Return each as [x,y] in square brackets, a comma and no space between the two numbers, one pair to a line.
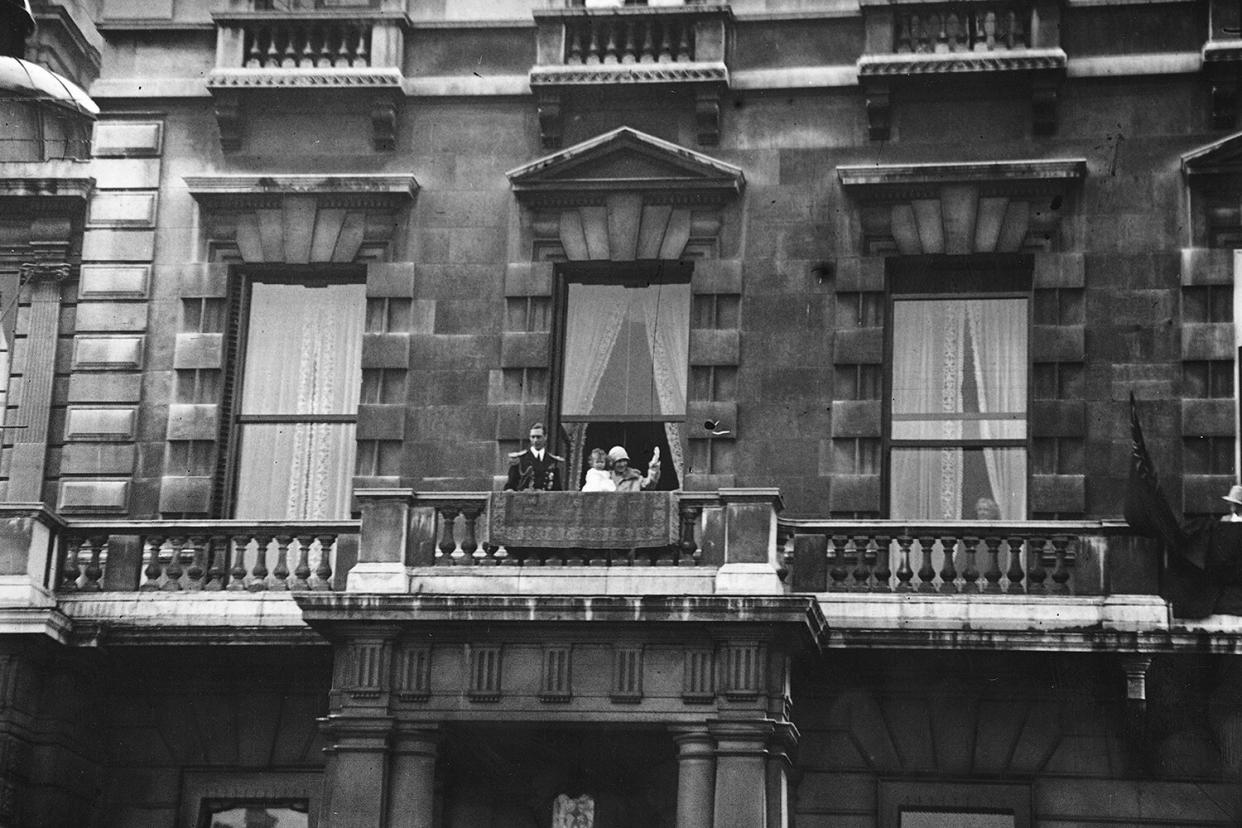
[617,453]
[1234,496]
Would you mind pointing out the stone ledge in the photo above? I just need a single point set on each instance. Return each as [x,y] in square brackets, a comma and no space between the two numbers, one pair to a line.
[578,580]
[1013,60]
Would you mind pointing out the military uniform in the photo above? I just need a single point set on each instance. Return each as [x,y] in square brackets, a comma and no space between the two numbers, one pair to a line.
[526,471]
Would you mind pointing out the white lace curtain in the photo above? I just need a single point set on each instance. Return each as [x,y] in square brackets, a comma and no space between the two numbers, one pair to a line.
[303,357]
[930,341]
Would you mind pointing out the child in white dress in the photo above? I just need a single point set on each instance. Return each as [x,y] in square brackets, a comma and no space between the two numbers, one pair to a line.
[598,478]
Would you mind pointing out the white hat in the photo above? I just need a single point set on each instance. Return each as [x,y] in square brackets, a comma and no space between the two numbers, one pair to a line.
[618,453]
[1234,496]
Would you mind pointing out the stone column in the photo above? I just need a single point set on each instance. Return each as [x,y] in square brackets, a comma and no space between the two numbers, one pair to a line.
[42,280]
[784,740]
[741,773]
[696,771]
[411,794]
[356,779]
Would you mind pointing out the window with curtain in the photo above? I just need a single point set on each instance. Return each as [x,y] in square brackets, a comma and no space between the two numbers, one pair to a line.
[301,379]
[958,425]
[625,368]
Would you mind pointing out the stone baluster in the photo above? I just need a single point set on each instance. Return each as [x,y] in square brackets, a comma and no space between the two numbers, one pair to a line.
[627,50]
[948,569]
[307,60]
[469,541]
[940,27]
[289,55]
[94,569]
[301,572]
[647,53]
[992,574]
[864,563]
[688,546]
[327,34]
[883,572]
[838,572]
[273,54]
[666,44]
[1060,573]
[254,57]
[258,575]
[217,561]
[71,567]
[1035,572]
[361,58]
[1017,35]
[173,571]
[155,568]
[593,50]
[280,573]
[970,575]
[904,572]
[237,570]
[684,48]
[323,572]
[927,572]
[956,31]
[610,49]
[573,42]
[448,543]
[901,39]
[195,571]
[340,47]
[1015,574]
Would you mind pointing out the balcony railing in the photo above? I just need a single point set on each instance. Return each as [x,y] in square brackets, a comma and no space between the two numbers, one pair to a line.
[306,45]
[963,558]
[212,556]
[962,28]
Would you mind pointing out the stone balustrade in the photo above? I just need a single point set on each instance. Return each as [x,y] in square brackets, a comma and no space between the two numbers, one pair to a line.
[962,558]
[300,44]
[962,27]
[208,556]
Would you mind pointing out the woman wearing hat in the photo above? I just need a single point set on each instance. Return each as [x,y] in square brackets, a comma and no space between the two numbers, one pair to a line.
[1234,499]
[631,480]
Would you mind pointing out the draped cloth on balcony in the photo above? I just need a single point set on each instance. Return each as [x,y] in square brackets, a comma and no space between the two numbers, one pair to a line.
[583,520]
[941,348]
[303,358]
[627,357]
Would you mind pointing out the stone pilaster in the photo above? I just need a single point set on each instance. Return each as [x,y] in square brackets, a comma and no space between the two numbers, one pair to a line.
[412,774]
[355,792]
[741,773]
[696,771]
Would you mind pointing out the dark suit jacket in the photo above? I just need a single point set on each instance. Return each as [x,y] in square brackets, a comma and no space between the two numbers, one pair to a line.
[526,472]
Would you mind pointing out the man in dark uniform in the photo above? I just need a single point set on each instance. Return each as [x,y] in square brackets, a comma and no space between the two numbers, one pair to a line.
[535,468]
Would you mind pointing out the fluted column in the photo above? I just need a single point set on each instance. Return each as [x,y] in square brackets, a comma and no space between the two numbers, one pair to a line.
[696,772]
[741,773]
[412,776]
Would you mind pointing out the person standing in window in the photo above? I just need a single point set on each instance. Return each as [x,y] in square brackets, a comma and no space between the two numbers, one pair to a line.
[632,480]
[598,478]
[536,468]
[1234,499]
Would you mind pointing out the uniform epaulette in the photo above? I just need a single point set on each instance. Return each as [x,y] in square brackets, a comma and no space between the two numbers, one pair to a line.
[516,454]
[557,459]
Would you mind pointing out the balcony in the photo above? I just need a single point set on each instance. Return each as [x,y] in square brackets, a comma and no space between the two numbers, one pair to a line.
[1015,38]
[626,46]
[316,49]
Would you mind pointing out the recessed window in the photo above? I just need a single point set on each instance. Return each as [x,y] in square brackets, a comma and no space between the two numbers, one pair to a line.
[260,813]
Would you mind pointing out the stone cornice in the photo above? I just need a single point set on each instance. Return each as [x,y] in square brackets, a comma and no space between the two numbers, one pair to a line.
[59,179]
[344,15]
[997,172]
[1223,157]
[698,10]
[303,78]
[1015,60]
[581,75]
[1222,51]
[380,188]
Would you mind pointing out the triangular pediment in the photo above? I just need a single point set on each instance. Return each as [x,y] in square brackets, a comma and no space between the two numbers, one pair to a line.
[1223,156]
[626,160]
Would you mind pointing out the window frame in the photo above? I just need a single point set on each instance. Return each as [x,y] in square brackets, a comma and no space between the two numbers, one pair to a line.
[204,784]
[897,795]
[924,277]
[232,421]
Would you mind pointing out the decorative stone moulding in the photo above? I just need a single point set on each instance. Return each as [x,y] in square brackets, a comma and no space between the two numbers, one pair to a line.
[626,46]
[1213,175]
[626,195]
[991,207]
[300,219]
[309,49]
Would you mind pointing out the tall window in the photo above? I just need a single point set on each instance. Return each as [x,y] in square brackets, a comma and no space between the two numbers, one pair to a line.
[958,429]
[295,422]
[624,366]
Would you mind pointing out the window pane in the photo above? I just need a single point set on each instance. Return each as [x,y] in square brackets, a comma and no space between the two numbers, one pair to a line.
[949,483]
[626,352]
[295,471]
[304,349]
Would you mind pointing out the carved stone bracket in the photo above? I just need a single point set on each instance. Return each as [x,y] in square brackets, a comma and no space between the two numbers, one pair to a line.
[1044,93]
[879,104]
[707,117]
[228,110]
[384,124]
[551,124]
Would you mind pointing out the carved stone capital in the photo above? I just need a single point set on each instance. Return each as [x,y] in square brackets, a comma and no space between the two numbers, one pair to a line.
[43,272]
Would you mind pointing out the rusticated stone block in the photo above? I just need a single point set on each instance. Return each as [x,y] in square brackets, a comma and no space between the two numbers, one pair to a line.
[108,245]
[185,494]
[525,350]
[1059,270]
[195,280]
[860,274]
[198,351]
[860,346]
[1207,266]
[77,496]
[126,173]
[97,458]
[1205,417]
[1063,493]
[385,351]
[106,353]
[122,209]
[857,418]
[528,279]
[1058,418]
[855,493]
[113,281]
[717,276]
[105,388]
[193,421]
[1207,340]
[390,279]
[127,139]
[111,316]
[714,347]
[381,422]
[1202,492]
[83,423]
[1058,343]
[722,414]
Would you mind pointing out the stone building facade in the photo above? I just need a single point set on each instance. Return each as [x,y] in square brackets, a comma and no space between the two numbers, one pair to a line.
[876,278]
